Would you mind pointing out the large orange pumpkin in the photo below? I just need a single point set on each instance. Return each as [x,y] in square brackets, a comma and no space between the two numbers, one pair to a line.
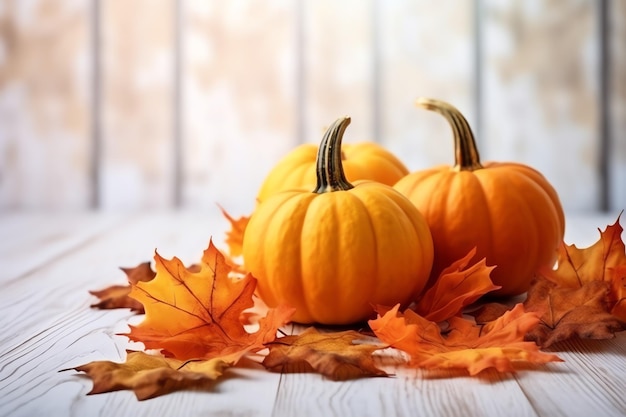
[361,161]
[508,211]
[336,252]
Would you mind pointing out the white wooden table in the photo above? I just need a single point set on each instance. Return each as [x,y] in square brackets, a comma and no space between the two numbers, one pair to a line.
[48,262]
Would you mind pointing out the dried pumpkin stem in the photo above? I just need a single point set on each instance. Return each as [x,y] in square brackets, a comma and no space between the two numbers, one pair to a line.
[467,158]
[329,168]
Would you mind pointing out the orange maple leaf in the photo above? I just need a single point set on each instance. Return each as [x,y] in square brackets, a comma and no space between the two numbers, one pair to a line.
[234,237]
[456,287]
[575,266]
[192,314]
[334,355]
[499,344]
[117,296]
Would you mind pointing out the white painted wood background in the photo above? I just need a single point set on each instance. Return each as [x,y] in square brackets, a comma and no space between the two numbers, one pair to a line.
[151,104]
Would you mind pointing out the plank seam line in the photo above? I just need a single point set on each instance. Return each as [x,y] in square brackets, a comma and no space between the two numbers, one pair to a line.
[530,402]
[280,383]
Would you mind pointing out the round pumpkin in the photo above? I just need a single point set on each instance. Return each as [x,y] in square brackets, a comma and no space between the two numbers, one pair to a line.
[335,252]
[508,211]
[361,161]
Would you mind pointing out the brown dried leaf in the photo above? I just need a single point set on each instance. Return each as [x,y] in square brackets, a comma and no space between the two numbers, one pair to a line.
[566,312]
[584,295]
[618,292]
[334,355]
[489,312]
[151,376]
[141,273]
[117,296]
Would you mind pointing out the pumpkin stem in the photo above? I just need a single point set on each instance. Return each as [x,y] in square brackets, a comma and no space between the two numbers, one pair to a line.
[329,168]
[467,158]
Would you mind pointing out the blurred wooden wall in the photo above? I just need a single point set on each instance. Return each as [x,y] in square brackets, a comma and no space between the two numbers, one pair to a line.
[152,104]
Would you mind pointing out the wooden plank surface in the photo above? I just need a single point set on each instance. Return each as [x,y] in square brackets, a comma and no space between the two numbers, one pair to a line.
[45,157]
[617,103]
[30,239]
[425,51]
[541,92]
[409,393]
[589,382]
[338,68]
[136,51]
[48,325]
[196,99]
[53,329]
[239,98]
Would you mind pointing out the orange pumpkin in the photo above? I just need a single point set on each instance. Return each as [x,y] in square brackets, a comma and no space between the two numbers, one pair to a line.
[508,211]
[336,252]
[361,161]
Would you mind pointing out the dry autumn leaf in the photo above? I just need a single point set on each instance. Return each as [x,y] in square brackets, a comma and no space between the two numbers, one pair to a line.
[334,355]
[151,376]
[584,295]
[197,314]
[456,287]
[575,266]
[234,237]
[488,312]
[618,292]
[499,344]
[566,312]
[117,296]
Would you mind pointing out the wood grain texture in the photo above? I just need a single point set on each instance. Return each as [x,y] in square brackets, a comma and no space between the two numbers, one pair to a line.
[425,51]
[44,105]
[137,147]
[186,238]
[239,98]
[406,394]
[541,92]
[53,329]
[48,326]
[31,239]
[590,381]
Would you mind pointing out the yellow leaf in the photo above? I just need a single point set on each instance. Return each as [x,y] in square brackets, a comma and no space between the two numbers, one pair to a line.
[150,376]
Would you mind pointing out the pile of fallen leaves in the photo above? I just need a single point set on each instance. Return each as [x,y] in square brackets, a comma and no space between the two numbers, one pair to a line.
[204,318]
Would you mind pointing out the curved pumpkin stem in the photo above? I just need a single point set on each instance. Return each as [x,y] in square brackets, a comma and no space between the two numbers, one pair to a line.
[329,168]
[467,158]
